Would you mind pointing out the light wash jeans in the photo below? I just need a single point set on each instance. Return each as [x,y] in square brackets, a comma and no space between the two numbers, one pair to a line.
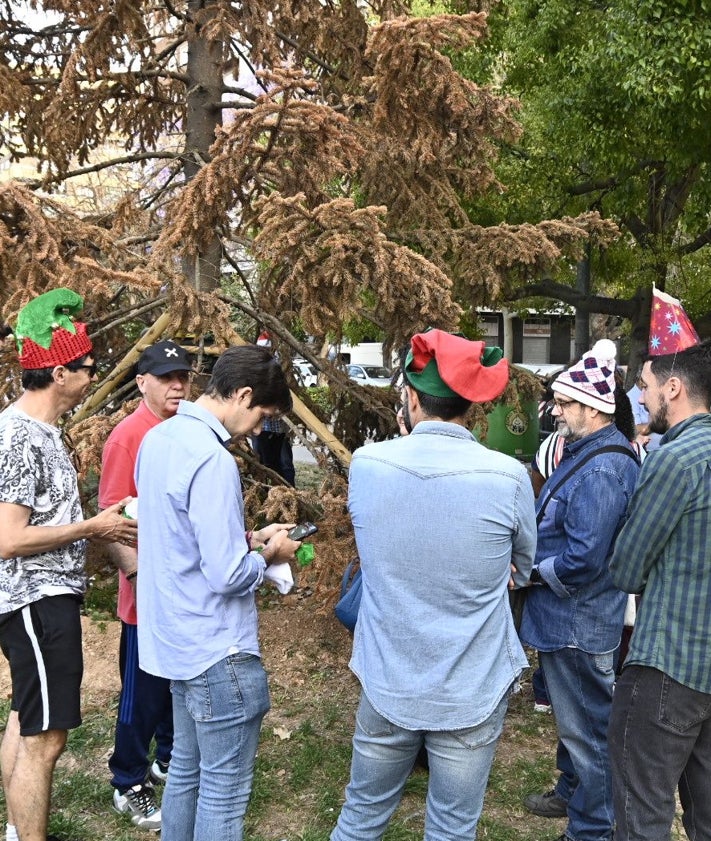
[383,757]
[217,716]
[580,689]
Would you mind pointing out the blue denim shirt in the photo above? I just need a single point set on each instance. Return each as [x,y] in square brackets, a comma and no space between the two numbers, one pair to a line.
[438,521]
[579,606]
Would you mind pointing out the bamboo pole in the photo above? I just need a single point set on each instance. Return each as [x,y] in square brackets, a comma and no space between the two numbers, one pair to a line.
[152,334]
[309,419]
[122,368]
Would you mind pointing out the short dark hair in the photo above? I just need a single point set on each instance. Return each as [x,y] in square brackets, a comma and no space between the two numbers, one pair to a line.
[36,379]
[692,366]
[624,416]
[253,367]
[446,408]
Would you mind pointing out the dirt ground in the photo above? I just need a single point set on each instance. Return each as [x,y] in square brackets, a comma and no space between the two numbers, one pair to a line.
[290,635]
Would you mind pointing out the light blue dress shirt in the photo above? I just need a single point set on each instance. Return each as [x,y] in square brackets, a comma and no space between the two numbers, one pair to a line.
[197,577]
[438,520]
[641,417]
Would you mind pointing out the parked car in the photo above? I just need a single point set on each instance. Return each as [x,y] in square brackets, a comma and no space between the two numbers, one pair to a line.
[305,373]
[543,370]
[370,375]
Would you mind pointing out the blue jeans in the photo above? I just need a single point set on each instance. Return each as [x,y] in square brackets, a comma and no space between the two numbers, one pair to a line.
[145,710]
[660,740]
[383,757]
[540,693]
[217,716]
[580,688]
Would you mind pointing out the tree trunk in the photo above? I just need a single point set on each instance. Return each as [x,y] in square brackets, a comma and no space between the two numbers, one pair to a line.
[582,313]
[202,117]
[639,335]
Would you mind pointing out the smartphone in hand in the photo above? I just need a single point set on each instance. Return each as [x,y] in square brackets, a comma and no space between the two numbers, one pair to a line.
[303,530]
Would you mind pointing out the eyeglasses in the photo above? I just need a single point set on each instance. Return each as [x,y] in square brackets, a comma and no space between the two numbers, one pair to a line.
[92,369]
[564,404]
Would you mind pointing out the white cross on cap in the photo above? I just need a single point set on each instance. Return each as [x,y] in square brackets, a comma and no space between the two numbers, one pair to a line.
[170,351]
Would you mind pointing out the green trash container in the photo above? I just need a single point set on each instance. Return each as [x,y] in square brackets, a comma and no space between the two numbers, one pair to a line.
[514,431]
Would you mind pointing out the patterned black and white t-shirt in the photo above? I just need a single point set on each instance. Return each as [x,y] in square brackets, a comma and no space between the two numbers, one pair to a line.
[36,471]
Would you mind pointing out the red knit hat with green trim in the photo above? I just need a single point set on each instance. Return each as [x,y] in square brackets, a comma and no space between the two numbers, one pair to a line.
[46,335]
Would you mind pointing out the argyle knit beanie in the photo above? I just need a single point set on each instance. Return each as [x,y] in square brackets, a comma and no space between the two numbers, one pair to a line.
[592,380]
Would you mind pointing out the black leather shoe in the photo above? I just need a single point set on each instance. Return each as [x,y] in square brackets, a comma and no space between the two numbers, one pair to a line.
[548,805]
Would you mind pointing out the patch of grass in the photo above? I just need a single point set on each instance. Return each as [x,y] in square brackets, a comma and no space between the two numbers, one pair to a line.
[303,764]
[100,599]
[299,780]
[309,477]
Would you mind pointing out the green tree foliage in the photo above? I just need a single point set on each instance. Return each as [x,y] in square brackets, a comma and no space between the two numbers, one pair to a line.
[332,144]
[615,104]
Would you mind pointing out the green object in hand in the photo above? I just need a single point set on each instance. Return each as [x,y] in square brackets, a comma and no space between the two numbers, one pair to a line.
[305,554]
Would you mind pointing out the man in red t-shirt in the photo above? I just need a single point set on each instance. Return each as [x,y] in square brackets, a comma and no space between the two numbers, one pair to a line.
[145,708]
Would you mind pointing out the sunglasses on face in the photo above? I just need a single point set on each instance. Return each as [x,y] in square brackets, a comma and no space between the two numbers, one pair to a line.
[92,369]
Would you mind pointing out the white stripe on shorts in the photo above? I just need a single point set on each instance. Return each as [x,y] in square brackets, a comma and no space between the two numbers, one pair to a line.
[39,661]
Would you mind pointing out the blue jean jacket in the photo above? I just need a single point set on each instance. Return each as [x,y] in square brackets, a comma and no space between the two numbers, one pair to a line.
[578,605]
[438,520]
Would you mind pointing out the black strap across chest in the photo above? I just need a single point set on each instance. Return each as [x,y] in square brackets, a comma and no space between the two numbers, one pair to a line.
[610,448]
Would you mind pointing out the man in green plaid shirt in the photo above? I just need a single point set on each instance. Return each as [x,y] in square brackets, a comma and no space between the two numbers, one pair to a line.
[660,728]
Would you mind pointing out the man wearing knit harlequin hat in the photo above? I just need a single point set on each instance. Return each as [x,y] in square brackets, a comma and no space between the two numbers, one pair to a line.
[42,544]
[574,613]
[439,520]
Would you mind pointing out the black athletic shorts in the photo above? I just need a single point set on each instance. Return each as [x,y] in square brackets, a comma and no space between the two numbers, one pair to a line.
[42,644]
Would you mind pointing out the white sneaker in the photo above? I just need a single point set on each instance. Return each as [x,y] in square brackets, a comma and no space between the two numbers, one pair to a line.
[158,772]
[542,708]
[139,802]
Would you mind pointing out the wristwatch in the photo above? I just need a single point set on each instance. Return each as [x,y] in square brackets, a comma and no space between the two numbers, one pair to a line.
[536,576]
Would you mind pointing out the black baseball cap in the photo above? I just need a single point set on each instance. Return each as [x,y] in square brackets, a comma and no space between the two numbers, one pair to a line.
[163,358]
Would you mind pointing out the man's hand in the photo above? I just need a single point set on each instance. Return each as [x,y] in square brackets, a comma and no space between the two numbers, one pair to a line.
[261,536]
[110,526]
[512,583]
[280,548]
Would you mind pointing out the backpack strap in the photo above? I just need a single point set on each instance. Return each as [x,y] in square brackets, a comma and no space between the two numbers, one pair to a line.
[610,448]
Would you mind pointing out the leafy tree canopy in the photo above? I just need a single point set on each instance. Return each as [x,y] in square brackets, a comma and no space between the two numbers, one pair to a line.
[615,101]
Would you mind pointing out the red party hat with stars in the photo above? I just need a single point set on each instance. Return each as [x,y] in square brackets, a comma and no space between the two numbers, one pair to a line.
[670,329]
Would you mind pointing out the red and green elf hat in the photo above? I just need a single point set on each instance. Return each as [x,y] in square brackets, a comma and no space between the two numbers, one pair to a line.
[445,365]
[46,335]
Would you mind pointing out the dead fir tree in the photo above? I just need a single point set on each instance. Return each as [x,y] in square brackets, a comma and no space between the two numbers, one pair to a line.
[320,154]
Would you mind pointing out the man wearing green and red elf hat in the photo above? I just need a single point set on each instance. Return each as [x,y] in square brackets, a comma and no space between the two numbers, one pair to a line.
[438,520]
[42,544]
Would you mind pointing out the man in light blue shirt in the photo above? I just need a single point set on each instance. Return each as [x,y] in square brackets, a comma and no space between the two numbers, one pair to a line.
[641,420]
[199,570]
[439,520]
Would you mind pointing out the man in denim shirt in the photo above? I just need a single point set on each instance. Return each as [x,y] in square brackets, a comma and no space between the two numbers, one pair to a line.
[439,520]
[574,613]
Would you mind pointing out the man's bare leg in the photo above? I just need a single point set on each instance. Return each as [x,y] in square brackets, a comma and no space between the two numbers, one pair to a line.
[29,790]
[8,756]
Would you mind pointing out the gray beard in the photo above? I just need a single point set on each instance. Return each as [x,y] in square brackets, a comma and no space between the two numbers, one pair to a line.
[568,434]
